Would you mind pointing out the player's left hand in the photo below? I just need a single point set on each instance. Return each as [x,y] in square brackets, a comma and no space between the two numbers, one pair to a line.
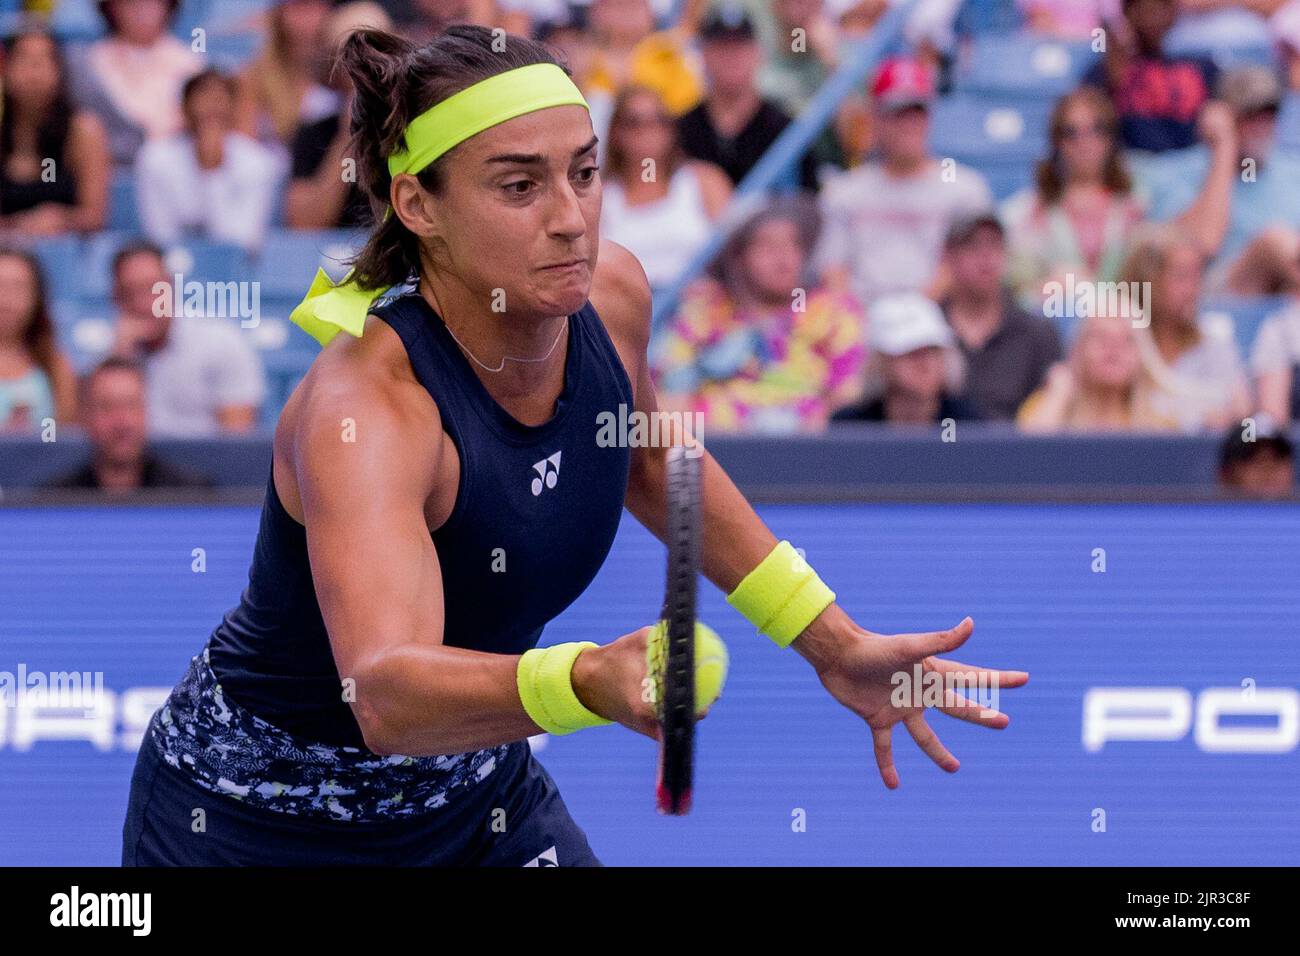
[874,675]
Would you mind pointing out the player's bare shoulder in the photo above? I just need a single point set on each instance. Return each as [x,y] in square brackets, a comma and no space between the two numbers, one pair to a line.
[353,376]
[360,395]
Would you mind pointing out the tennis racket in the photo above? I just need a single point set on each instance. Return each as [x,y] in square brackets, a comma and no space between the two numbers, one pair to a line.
[675,677]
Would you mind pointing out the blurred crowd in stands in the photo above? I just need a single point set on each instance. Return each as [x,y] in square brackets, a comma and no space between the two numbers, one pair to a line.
[1066,215]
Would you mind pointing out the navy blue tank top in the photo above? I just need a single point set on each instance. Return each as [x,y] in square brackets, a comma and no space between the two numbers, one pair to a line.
[536,512]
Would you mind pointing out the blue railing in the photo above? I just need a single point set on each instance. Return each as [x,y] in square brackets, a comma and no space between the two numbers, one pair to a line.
[777,163]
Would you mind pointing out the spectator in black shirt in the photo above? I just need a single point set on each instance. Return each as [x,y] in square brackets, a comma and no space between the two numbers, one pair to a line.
[323,191]
[1007,350]
[1157,97]
[733,126]
[317,174]
[113,411]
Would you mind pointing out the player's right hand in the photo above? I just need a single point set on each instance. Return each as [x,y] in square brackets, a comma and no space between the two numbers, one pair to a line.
[612,681]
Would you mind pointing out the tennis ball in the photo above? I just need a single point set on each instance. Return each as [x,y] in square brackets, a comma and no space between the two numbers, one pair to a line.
[710,661]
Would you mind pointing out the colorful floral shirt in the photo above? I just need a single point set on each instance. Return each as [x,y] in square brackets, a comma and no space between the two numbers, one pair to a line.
[762,373]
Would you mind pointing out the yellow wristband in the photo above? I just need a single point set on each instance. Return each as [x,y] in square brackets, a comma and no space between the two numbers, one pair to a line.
[544,677]
[782,595]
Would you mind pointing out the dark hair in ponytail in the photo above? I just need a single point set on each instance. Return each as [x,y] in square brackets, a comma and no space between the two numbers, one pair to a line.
[395,81]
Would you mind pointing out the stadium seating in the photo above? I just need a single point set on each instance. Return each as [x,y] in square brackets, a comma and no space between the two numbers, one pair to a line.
[1230,42]
[219,17]
[232,51]
[1231,57]
[1247,314]
[1022,64]
[77,20]
[282,273]
[289,259]
[987,18]
[227,25]
[1288,123]
[60,259]
[195,259]
[1002,135]
[123,212]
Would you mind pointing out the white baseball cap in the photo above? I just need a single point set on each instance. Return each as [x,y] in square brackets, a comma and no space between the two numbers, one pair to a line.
[905,322]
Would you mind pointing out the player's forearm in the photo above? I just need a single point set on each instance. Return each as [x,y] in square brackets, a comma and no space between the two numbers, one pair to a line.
[734,542]
[734,538]
[426,700]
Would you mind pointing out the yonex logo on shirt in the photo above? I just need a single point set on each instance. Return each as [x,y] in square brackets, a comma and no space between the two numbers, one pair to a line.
[546,858]
[548,471]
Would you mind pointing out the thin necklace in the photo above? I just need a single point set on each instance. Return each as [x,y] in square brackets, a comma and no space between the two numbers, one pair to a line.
[509,358]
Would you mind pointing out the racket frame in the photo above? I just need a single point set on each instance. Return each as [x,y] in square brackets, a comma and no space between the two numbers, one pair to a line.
[675,685]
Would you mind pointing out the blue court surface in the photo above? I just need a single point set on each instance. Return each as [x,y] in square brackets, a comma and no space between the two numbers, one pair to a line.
[1198,604]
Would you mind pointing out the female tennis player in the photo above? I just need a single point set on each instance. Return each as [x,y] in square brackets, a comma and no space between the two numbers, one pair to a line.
[438,494]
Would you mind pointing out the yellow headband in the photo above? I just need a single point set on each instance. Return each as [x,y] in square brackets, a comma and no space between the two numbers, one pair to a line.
[329,308]
[479,107]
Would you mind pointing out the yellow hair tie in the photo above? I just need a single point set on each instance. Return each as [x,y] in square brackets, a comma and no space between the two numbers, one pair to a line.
[781,596]
[328,309]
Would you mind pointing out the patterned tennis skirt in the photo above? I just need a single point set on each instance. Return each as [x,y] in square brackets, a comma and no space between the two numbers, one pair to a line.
[226,749]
